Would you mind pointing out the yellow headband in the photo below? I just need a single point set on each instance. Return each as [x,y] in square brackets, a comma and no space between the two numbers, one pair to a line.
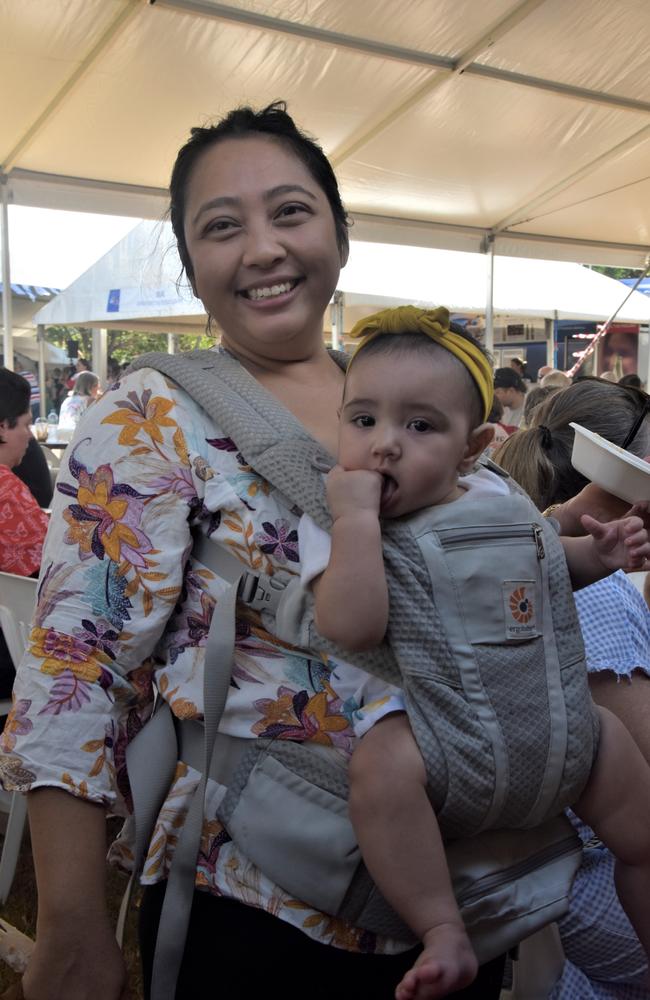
[435,324]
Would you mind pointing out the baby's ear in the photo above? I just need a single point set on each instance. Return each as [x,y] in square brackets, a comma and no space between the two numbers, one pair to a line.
[477,442]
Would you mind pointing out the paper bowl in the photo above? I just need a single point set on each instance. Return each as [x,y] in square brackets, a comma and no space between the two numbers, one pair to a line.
[611,468]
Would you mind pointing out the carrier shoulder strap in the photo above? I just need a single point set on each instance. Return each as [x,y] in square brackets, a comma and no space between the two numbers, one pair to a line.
[278,447]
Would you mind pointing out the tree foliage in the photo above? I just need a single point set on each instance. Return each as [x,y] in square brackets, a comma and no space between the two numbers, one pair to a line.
[123,345]
[618,272]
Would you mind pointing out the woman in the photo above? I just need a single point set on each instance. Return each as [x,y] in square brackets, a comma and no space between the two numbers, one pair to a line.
[604,958]
[22,522]
[262,235]
[84,390]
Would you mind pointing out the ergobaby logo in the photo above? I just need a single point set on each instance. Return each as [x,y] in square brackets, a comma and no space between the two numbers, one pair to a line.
[521,606]
[520,603]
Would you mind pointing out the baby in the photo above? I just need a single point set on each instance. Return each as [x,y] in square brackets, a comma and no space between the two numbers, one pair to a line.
[412,425]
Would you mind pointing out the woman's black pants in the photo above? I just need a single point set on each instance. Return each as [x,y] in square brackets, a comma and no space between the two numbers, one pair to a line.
[235,951]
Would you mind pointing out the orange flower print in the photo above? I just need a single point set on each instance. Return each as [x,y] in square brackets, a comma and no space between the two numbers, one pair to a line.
[60,652]
[106,518]
[521,606]
[147,414]
[297,716]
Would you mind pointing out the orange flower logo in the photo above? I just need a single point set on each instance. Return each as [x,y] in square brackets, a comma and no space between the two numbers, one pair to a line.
[521,606]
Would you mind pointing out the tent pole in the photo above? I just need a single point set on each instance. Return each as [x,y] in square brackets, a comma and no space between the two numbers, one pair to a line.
[336,321]
[99,358]
[489,305]
[7,320]
[40,338]
[549,327]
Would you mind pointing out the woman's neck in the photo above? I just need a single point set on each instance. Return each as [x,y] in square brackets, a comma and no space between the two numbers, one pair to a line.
[311,388]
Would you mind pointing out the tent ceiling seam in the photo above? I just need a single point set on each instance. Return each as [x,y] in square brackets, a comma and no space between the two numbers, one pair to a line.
[107,36]
[485,41]
[523,214]
[588,198]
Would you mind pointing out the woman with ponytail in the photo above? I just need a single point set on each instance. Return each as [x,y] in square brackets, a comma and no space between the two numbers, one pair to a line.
[604,958]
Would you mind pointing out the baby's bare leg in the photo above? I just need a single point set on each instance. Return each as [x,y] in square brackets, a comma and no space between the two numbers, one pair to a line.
[403,851]
[616,804]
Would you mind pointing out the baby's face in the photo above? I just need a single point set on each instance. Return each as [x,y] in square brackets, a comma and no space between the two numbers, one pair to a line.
[408,417]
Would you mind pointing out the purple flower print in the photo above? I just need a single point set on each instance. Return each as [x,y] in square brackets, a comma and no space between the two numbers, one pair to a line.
[276,540]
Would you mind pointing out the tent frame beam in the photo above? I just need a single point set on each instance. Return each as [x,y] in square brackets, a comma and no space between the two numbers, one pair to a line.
[415,57]
[364,219]
[458,66]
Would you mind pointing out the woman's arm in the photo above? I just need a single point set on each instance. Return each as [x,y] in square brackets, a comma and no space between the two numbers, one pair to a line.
[112,571]
[594,501]
[76,954]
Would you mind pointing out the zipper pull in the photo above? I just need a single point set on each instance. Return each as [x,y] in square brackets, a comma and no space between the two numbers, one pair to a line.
[538,541]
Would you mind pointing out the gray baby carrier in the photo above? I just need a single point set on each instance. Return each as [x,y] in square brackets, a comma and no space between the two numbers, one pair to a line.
[497,698]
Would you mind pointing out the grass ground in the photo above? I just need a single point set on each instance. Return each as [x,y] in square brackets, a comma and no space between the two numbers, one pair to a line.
[20,911]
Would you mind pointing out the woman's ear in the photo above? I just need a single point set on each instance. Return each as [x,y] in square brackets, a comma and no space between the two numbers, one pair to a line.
[477,442]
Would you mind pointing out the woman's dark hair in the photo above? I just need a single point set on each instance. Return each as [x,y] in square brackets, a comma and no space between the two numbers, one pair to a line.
[496,413]
[241,123]
[631,379]
[539,457]
[15,396]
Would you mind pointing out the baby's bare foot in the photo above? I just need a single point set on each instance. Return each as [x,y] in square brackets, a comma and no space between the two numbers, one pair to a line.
[447,963]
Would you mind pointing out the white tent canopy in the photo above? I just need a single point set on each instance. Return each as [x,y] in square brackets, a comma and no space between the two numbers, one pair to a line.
[447,120]
[136,286]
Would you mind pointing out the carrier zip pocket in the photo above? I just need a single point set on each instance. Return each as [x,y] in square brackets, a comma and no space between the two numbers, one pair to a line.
[466,537]
[508,875]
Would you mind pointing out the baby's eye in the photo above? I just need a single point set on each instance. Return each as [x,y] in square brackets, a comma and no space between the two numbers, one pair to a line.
[420,426]
[364,420]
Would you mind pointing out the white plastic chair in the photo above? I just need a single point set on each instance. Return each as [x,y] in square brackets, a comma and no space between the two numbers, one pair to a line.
[538,966]
[17,600]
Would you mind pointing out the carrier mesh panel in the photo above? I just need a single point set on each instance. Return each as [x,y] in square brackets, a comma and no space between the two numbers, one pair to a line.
[517,689]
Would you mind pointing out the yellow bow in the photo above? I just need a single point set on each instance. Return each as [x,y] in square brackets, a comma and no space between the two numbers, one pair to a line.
[435,324]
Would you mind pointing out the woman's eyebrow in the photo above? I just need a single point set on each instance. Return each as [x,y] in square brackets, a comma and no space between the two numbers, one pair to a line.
[230,200]
[288,189]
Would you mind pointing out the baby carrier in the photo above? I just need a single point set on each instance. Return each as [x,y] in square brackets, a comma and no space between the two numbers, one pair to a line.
[493,666]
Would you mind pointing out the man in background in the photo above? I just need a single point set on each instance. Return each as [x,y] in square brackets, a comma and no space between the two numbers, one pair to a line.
[510,390]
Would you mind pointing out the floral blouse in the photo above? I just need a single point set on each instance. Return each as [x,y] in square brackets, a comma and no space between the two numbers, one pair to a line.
[123,602]
[22,526]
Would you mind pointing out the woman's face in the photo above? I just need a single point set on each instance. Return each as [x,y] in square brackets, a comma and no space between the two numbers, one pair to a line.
[260,234]
[16,440]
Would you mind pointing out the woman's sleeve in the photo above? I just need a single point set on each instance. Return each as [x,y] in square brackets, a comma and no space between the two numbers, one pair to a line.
[615,624]
[111,575]
[22,528]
